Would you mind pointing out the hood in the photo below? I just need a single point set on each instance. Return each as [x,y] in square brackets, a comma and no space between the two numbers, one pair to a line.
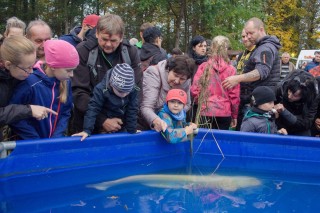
[38,71]
[75,31]
[256,112]
[218,64]
[149,50]
[270,40]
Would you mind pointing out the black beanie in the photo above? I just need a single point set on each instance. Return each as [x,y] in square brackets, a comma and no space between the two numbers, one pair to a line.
[262,95]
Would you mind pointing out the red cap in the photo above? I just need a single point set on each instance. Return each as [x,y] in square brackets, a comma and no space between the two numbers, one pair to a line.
[91,20]
[177,94]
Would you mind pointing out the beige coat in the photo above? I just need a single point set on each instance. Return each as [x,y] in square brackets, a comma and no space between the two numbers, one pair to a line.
[155,88]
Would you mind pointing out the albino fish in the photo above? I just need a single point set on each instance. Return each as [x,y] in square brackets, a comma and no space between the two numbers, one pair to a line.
[228,183]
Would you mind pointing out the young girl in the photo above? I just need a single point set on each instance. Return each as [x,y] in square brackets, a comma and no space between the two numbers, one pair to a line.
[219,107]
[48,86]
[174,115]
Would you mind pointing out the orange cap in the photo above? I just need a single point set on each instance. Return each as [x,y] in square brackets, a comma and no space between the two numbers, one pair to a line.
[177,94]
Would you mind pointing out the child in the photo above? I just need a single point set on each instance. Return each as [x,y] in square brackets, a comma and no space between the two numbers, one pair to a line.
[116,97]
[48,86]
[261,117]
[219,106]
[174,115]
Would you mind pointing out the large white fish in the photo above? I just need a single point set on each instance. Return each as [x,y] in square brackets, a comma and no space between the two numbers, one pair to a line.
[228,183]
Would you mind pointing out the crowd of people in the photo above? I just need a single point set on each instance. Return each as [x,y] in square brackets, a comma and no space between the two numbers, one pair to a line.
[94,81]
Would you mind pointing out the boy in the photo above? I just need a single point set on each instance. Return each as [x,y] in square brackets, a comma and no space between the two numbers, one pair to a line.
[174,115]
[261,117]
[116,97]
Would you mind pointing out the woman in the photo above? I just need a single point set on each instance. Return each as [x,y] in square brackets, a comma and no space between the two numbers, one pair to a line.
[48,86]
[18,56]
[219,106]
[198,49]
[298,94]
[174,73]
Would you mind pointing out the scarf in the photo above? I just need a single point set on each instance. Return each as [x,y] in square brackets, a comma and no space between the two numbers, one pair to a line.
[178,117]
[199,59]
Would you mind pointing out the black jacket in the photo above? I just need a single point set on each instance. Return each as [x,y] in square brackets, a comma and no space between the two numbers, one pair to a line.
[84,80]
[13,112]
[109,105]
[148,50]
[304,111]
[264,58]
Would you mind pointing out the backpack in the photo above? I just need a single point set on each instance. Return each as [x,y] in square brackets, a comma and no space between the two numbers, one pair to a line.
[145,64]
[93,55]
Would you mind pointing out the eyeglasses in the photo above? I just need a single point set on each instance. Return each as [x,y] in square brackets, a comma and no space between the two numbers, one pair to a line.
[30,68]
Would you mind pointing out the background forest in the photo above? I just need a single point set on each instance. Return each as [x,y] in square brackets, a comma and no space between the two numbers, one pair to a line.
[295,22]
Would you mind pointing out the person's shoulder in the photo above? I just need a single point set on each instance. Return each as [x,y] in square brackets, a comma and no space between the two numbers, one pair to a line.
[88,44]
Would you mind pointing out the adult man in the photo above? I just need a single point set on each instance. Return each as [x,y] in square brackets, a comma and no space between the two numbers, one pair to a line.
[262,68]
[38,32]
[78,34]
[97,56]
[151,52]
[245,55]
[286,65]
[315,61]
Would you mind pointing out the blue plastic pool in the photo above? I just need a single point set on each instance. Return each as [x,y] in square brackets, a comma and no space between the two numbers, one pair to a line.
[143,173]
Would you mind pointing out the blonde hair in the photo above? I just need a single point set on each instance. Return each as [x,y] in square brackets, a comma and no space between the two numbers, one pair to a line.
[16,47]
[14,22]
[63,89]
[219,47]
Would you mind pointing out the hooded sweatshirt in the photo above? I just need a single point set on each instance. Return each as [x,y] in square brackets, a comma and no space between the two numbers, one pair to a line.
[265,58]
[39,89]
[219,102]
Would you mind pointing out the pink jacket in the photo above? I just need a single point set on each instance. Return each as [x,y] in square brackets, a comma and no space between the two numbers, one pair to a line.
[220,102]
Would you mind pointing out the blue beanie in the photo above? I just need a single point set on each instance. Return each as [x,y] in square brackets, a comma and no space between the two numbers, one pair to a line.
[122,78]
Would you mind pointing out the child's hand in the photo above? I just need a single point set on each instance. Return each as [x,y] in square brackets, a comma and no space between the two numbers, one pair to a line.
[194,126]
[233,123]
[83,135]
[282,131]
[189,129]
[317,123]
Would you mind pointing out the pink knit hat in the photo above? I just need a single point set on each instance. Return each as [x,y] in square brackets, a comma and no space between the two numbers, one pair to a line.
[60,54]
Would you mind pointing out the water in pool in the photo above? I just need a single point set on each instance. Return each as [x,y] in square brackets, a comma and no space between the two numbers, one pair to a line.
[204,183]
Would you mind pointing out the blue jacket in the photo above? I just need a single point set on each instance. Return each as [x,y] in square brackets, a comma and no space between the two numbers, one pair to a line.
[104,101]
[311,65]
[72,37]
[175,132]
[39,89]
